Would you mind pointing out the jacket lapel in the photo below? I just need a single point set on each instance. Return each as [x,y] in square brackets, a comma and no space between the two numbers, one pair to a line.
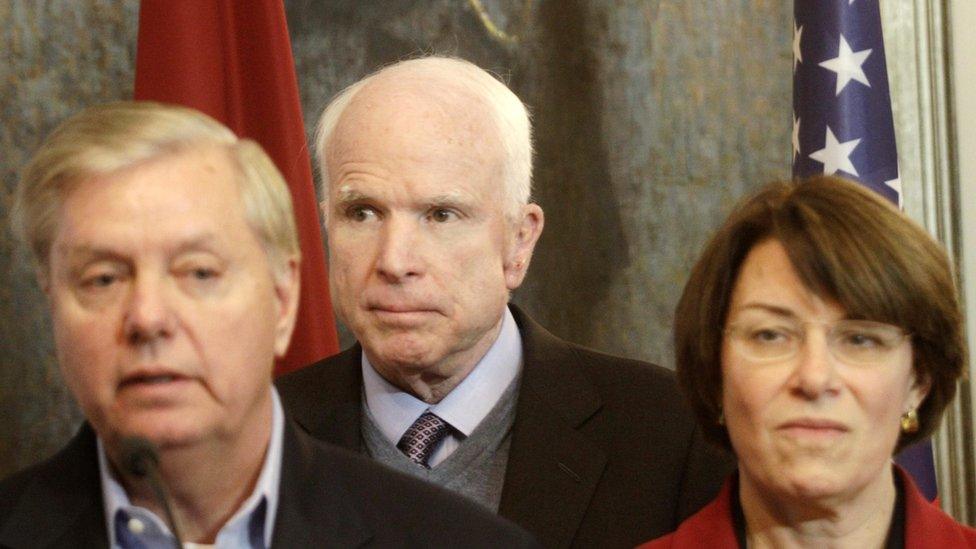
[62,506]
[329,410]
[314,508]
[553,468]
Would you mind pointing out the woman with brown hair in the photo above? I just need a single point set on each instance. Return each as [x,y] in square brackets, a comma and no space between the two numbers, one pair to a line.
[819,333]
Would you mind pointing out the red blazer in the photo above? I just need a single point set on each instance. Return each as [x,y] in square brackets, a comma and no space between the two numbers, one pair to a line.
[926,526]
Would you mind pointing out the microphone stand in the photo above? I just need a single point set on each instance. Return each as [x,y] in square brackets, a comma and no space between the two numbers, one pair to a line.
[141,460]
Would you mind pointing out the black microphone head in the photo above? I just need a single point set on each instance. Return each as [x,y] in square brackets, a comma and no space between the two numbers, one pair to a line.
[138,456]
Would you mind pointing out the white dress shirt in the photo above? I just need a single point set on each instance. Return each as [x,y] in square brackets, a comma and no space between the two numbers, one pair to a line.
[251,526]
[394,410]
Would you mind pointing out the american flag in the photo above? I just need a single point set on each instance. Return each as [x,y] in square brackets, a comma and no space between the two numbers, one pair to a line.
[841,107]
[842,122]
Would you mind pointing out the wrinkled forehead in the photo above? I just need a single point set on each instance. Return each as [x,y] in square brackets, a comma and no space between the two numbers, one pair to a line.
[207,161]
[189,190]
[416,114]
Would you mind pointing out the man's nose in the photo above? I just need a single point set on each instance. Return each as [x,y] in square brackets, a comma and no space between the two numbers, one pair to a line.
[399,254]
[815,367]
[148,313]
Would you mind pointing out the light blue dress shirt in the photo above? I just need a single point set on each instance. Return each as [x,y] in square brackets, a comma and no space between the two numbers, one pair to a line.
[394,410]
[130,526]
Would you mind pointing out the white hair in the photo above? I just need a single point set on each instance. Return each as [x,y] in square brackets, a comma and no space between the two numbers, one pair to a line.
[506,110]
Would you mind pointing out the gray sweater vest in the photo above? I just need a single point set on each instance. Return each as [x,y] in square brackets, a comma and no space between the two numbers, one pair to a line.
[476,469]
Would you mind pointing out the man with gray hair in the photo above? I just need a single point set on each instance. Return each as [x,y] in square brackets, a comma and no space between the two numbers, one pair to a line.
[167,249]
[426,169]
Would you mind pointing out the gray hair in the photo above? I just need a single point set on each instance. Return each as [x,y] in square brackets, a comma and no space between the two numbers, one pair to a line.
[107,138]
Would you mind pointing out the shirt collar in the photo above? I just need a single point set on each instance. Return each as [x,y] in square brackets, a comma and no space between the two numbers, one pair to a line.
[466,406]
[236,531]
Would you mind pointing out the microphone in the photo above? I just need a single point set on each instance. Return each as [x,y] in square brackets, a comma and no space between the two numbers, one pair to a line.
[141,460]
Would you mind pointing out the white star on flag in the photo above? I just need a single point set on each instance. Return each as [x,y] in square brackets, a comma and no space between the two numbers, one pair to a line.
[797,53]
[835,155]
[796,136]
[847,65]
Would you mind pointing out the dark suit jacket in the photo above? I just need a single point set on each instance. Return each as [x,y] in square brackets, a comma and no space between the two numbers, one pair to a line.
[604,451]
[328,497]
[926,526]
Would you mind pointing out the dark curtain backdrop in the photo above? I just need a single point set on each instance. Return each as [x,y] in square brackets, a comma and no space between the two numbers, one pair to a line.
[652,118]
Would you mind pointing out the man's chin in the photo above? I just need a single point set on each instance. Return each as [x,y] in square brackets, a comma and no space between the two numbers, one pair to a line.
[405,365]
[404,350]
[163,433]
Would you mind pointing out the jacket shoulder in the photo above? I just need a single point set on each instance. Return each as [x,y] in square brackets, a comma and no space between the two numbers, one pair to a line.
[67,471]
[639,394]
[13,488]
[624,374]
[57,502]
[548,356]
[342,369]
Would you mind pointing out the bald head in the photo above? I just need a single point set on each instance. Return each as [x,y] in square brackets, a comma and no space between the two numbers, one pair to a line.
[392,123]
[434,100]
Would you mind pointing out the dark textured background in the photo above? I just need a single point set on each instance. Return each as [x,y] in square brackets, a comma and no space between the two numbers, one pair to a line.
[651,118]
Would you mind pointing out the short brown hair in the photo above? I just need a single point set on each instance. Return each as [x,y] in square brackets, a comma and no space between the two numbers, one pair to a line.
[847,244]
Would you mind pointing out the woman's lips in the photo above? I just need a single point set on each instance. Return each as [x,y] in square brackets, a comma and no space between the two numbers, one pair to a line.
[813,428]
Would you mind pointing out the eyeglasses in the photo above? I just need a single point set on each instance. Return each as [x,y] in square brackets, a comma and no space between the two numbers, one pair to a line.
[776,339]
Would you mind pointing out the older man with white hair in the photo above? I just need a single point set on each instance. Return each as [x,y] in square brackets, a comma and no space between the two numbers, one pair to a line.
[167,249]
[426,169]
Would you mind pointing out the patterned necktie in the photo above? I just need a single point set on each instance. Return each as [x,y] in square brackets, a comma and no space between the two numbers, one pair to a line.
[421,438]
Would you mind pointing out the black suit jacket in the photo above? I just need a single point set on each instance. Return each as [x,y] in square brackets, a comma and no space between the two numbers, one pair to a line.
[328,497]
[604,451]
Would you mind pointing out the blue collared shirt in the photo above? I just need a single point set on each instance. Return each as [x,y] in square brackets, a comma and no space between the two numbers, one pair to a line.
[130,526]
[395,410]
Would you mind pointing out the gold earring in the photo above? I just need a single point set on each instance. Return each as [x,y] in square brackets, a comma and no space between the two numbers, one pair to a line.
[909,422]
[721,417]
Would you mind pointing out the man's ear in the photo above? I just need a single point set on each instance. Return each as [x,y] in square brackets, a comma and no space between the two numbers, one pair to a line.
[527,229]
[287,286]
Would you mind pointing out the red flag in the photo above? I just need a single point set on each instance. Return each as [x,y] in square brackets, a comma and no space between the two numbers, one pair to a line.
[232,60]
